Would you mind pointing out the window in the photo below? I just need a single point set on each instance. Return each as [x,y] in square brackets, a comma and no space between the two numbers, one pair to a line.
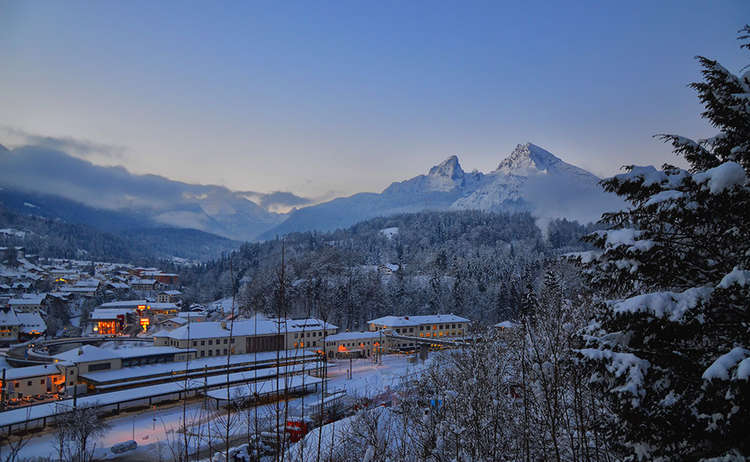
[225,342]
[41,382]
[99,367]
[210,342]
[218,351]
[295,335]
[421,327]
[225,351]
[232,339]
[210,352]
[203,353]
[29,383]
[203,342]
[195,343]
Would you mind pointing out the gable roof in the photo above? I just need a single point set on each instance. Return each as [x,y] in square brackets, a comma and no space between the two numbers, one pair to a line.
[398,321]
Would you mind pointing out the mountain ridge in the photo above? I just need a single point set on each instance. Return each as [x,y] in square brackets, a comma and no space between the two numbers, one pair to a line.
[517,184]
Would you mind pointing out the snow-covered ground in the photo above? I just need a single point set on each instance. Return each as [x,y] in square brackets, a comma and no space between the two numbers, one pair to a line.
[152,427]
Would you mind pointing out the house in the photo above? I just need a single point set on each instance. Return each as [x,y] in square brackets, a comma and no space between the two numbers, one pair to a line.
[112,321]
[22,382]
[355,344]
[32,325]
[10,325]
[172,323]
[505,326]
[162,309]
[167,279]
[28,303]
[194,316]
[168,296]
[144,284]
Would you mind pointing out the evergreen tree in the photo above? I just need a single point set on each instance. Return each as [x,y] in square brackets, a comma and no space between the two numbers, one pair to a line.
[671,346]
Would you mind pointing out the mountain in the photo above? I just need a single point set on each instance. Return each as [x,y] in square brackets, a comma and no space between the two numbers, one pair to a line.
[153,200]
[529,179]
[55,185]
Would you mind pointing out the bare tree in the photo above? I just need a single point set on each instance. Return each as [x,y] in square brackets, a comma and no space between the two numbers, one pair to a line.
[76,434]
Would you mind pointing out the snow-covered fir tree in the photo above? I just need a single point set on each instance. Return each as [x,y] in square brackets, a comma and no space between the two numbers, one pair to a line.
[671,343]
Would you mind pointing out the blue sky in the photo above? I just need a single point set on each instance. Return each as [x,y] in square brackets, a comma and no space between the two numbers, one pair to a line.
[329,98]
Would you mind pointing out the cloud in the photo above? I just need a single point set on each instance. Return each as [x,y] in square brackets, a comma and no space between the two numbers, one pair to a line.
[277,201]
[79,147]
[284,201]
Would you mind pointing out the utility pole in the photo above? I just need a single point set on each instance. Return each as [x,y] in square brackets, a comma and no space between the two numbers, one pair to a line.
[2,392]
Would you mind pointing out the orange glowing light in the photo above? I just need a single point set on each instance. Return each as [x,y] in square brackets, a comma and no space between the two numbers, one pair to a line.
[342,348]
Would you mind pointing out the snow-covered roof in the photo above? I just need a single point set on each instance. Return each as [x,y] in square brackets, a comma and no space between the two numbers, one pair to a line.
[109,313]
[31,322]
[135,352]
[9,318]
[397,321]
[31,371]
[28,299]
[88,353]
[191,314]
[298,325]
[149,282]
[196,364]
[123,304]
[246,327]
[171,292]
[163,306]
[343,336]
[506,324]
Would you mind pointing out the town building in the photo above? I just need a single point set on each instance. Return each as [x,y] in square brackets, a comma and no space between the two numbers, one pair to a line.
[440,326]
[25,382]
[28,303]
[113,321]
[247,336]
[88,358]
[10,325]
[355,344]
[168,296]
[32,325]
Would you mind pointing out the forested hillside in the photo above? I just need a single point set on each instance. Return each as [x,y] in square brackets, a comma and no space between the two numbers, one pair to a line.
[472,263]
[56,238]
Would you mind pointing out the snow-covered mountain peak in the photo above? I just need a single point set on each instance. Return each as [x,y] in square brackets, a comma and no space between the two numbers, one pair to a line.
[449,168]
[528,159]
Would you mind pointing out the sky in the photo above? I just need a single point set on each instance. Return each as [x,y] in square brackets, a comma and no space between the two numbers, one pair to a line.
[325,99]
